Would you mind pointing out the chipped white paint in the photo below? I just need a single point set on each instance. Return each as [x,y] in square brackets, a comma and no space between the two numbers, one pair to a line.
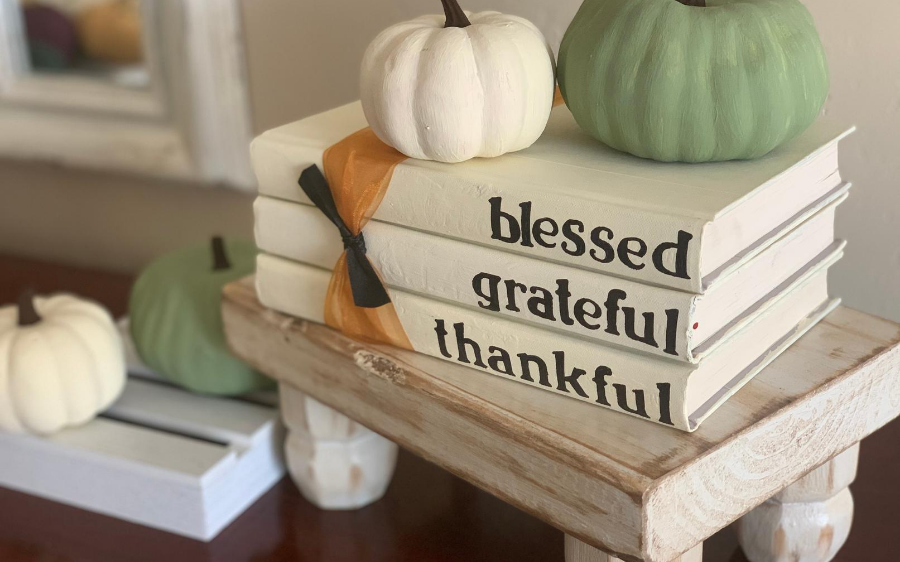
[336,463]
[808,521]
[648,495]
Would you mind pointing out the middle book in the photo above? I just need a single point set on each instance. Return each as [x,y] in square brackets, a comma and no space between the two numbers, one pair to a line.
[660,321]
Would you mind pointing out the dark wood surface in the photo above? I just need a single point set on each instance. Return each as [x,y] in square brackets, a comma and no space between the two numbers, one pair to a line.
[427,515]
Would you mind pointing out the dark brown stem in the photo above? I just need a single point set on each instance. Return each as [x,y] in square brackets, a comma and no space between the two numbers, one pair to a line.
[456,17]
[28,316]
[220,257]
[695,3]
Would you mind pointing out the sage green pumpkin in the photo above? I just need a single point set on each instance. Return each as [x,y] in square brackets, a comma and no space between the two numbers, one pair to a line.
[176,318]
[665,80]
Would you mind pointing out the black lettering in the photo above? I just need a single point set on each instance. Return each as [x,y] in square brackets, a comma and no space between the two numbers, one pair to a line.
[497,215]
[681,255]
[665,399]
[462,341]
[631,331]
[622,399]
[613,298]
[526,361]
[569,232]
[526,224]
[492,295]
[571,379]
[608,253]
[626,251]
[563,294]
[672,331]
[442,337]
[669,258]
[581,314]
[600,375]
[499,361]
[539,232]
[511,301]
[541,305]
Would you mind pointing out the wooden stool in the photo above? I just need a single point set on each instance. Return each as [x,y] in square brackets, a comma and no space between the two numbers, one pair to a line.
[778,456]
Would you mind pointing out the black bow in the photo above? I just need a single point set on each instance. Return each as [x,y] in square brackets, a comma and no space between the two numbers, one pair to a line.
[368,291]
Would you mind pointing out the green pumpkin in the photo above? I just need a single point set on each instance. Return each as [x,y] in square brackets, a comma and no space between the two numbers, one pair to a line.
[665,80]
[176,318]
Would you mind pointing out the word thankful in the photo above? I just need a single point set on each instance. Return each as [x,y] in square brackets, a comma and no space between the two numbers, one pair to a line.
[534,369]
[546,232]
[559,306]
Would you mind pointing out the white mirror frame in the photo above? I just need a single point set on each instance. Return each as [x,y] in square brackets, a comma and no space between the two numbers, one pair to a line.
[192,123]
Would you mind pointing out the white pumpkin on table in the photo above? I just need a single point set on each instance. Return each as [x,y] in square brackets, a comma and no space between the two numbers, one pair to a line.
[459,86]
[62,362]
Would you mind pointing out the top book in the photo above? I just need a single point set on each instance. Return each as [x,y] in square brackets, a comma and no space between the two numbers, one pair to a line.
[571,200]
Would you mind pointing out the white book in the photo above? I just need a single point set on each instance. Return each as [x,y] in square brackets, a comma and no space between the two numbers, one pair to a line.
[664,391]
[571,200]
[657,320]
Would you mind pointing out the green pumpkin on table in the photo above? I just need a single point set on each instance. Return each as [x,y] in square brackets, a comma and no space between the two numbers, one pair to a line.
[693,80]
[176,318]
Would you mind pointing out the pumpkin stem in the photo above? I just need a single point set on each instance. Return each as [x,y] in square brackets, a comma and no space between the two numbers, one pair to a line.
[695,3]
[456,17]
[220,257]
[28,316]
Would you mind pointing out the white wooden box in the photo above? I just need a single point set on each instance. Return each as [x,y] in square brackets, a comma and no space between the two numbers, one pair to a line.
[160,456]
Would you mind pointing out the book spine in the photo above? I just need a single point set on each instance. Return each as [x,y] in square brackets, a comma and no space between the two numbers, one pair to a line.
[511,214]
[641,386]
[604,308]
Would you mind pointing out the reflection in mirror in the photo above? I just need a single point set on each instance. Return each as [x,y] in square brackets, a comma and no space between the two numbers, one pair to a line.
[99,39]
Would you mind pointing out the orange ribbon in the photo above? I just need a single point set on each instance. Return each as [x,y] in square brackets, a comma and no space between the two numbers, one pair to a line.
[359,170]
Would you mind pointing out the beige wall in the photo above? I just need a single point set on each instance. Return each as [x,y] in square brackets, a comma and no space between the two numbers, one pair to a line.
[119,222]
[864,55]
[113,222]
[288,39]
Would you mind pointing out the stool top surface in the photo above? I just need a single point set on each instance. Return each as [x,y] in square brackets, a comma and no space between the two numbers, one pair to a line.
[629,487]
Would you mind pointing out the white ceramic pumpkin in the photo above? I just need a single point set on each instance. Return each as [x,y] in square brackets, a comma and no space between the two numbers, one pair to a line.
[459,86]
[62,362]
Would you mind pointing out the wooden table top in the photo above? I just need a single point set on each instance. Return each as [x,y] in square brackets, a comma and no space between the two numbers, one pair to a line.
[427,515]
[639,490]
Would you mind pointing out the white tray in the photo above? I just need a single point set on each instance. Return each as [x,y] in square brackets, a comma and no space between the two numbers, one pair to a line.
[161,457]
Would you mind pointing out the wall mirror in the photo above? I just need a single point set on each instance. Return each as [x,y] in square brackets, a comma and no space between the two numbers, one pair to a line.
[148,86]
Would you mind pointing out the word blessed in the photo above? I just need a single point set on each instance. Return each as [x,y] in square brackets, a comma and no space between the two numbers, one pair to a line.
[546,232]
[536,370]
[559,306]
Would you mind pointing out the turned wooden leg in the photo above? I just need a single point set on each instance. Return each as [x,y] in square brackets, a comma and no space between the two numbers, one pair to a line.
[336,463]
[807,522]
[577,551]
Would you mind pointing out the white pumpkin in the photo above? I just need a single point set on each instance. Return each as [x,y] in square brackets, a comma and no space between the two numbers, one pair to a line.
[481,86]
[62,362]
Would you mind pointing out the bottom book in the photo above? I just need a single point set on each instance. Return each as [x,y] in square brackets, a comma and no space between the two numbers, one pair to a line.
[660,390]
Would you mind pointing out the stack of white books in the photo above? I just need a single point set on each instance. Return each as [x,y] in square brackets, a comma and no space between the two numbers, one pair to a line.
[656,290]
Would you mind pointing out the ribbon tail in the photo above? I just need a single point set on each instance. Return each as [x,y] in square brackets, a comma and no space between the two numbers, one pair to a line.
[368,290]
[315,186]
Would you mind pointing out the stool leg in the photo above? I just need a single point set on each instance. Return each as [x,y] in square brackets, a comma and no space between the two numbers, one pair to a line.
[807,522]
[336,463]
[577,551]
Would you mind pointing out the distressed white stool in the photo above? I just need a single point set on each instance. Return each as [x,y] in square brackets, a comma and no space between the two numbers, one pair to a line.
[336,463]
[778,456]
